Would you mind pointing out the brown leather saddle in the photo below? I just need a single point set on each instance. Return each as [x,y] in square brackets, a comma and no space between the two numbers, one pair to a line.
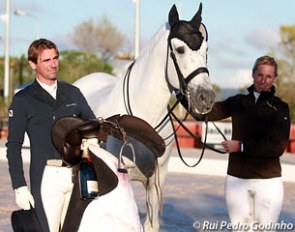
[67,134]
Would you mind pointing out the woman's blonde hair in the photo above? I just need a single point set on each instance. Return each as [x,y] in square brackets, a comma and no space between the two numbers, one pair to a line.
[265,60]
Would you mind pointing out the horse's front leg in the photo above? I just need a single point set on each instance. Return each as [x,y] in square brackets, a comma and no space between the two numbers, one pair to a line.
[154,195]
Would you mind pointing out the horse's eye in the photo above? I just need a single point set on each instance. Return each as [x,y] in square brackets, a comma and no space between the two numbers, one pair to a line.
[180,50]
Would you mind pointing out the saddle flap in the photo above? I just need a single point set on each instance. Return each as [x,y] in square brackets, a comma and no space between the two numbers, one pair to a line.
[61,131]
[107,179]
[141,131]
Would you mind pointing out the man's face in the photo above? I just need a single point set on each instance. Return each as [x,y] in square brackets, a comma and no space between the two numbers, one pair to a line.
[264,77]
[47,66]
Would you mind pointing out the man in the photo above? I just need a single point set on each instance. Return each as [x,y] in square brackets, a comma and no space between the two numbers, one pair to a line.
[260,134]
[34,110]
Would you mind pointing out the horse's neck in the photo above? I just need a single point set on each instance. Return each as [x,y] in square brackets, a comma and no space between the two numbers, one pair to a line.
[149,89]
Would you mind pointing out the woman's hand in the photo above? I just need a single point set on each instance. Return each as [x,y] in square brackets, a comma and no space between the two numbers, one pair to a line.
[231,146]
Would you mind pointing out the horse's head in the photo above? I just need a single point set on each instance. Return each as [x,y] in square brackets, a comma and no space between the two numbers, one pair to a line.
[188,49]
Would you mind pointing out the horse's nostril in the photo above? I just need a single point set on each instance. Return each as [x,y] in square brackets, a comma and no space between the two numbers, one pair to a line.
[202,97]
[206,98]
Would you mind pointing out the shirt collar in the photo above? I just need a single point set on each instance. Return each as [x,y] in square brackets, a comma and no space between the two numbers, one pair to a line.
[51,89]
[256,95]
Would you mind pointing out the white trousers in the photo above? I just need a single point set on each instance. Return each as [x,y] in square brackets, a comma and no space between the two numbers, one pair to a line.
[56,189]
[253,201]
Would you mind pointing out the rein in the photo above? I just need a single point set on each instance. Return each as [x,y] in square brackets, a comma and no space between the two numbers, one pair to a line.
[177,144]
[205,145]
[126,83]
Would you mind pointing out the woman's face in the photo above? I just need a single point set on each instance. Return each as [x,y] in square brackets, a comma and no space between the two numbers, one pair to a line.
[264,77]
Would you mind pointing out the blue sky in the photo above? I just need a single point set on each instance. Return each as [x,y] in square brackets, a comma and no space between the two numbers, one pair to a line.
[239,30]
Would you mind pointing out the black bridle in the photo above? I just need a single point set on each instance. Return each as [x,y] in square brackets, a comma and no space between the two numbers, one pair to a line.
[183,83]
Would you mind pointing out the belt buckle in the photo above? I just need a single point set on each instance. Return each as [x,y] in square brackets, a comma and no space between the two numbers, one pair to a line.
[55,162]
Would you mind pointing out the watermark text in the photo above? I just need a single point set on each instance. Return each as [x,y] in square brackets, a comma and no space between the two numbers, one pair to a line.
[256,226]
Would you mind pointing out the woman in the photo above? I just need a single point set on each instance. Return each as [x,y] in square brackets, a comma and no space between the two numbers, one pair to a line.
[260,133]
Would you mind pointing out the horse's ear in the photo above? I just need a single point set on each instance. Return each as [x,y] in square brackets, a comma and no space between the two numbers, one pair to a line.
[196,20]
[204,31]
[173,16]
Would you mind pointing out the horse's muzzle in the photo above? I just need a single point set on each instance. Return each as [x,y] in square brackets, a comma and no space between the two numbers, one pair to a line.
[202,100]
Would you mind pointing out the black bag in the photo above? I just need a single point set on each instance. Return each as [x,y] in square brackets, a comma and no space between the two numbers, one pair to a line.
[25,221]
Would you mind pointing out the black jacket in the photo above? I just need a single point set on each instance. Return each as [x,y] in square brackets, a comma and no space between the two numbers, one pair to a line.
[34,111]
[263,127]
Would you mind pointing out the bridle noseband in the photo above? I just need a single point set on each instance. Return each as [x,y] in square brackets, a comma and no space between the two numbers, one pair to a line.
[183,82]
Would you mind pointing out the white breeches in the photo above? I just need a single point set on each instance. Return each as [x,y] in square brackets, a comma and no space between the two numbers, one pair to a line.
[56,189]
[252,201]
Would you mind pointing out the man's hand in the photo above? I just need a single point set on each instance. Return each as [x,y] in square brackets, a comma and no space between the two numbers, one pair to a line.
[23,198]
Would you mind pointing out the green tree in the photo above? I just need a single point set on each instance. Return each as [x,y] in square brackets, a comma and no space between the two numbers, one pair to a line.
[285,56]
[76,64]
